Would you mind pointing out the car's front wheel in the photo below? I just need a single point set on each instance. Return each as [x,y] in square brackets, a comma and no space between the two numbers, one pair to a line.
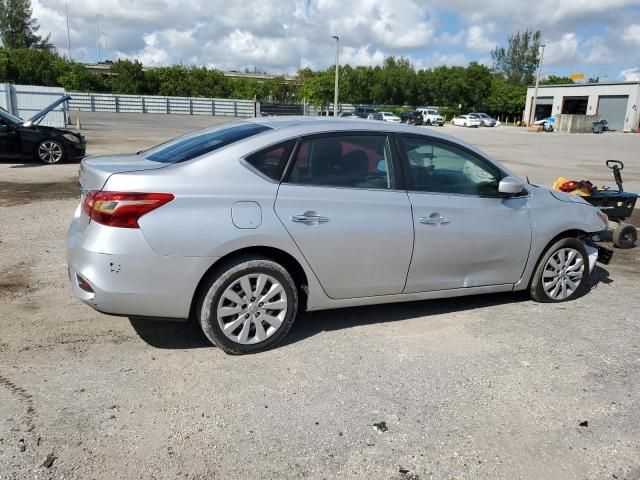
[249,307]
[562,273]
[50,151]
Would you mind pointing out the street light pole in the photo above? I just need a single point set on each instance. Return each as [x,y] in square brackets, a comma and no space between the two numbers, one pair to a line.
[335,91]
[98,27]
[532,110]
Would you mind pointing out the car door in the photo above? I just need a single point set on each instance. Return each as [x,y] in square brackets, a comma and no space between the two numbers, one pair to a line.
[9,140]
[340,204]
[466,234]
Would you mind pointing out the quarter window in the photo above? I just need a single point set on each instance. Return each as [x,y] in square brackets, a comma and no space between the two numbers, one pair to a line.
[353,161]
[271,161]
[444,168]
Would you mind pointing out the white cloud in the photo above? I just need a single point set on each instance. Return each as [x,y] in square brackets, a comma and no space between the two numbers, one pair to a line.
[632,34]
[630,74]
[477,38]
[361,56]
[282,35]
[562,52]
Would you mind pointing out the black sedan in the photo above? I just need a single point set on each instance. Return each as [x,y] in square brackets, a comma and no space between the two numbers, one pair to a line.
[26,140]
[412,118]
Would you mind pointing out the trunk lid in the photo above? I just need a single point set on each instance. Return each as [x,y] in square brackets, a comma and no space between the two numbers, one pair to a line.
[95,171]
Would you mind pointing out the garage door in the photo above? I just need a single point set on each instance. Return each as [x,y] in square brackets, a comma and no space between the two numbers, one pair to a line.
[613,108]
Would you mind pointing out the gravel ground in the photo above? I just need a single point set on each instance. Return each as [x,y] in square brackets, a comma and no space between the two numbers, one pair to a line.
[489,386]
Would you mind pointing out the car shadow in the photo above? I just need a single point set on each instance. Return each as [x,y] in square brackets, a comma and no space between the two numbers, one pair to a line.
[165,334]
[309,324]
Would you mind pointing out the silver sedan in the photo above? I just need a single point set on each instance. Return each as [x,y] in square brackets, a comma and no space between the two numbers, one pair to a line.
[243,225]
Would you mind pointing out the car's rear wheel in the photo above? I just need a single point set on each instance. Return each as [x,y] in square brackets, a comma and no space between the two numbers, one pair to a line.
[562,273]
[249,307]
[50,152]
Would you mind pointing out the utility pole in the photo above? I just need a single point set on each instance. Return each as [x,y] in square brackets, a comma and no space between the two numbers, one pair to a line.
[335,91]
[66,10]
[98,26]
[532,110]
[106,43]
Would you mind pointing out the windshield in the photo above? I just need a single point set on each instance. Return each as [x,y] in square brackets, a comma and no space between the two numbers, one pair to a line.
[204,141]
[7,116]
[433,112]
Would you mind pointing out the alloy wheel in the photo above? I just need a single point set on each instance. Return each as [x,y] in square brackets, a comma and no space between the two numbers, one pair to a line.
[252,308]
[563,273]
[50,151]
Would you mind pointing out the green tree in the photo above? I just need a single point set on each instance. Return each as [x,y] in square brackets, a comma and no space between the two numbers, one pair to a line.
[127,77]
[17,28]
[505,99]
[519,61]
[555,80]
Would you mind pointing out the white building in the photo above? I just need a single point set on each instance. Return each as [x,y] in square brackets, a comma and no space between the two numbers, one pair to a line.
[616,102]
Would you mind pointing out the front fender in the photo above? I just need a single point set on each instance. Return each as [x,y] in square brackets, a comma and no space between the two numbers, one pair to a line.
[552,217]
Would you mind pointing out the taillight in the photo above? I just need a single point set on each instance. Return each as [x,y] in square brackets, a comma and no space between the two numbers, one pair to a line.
[122,209]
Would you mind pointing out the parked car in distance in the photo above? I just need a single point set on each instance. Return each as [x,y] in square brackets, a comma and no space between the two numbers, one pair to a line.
[22,140]
[347,114]
[411,118]
[465,121]
[390,117]
[485,120]
[242,225]
[431,116]
[364,111]
[375,116]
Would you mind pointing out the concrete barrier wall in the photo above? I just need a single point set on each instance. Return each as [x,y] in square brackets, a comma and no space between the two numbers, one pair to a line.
[566,123]
[102,102]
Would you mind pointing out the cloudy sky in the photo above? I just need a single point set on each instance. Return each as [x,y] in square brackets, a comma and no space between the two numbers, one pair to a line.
[594,37]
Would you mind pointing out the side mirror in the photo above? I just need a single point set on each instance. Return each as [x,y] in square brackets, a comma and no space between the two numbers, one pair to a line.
[511,186]
[382,166]
[27,124]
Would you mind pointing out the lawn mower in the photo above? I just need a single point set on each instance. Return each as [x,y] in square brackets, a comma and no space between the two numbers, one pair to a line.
[617,204]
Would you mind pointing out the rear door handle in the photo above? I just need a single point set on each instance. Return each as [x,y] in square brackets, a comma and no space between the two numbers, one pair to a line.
[309,218]
[434,219]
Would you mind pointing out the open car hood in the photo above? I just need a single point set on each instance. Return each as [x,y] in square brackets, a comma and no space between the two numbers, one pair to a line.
[38,116]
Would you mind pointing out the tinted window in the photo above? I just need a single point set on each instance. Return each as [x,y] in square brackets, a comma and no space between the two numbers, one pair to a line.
[271,161]
[356,161]
[204,141]
[445,168]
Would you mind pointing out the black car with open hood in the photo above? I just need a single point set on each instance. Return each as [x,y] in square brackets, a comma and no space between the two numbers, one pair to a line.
[22,140]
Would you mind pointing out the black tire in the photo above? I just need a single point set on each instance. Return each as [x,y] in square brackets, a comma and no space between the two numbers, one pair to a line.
[536,289]
[50,152]
[625,235]
[428,123]
[219,281]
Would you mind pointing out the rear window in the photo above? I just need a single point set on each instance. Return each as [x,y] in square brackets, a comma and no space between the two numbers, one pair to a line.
[204,141]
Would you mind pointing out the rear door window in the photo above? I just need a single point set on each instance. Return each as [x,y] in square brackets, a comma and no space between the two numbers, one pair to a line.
[351,161]
[271,161]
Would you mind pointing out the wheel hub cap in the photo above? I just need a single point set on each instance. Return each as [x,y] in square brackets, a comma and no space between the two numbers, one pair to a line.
[252,308]
[563,273]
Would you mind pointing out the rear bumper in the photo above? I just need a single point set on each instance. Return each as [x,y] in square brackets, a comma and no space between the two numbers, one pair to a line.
[125,276]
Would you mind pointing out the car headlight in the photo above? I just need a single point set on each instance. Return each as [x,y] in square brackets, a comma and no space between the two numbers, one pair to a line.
[71,137]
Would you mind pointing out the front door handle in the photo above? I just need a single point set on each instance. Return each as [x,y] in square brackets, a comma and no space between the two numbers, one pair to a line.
[434,219]
[309,218]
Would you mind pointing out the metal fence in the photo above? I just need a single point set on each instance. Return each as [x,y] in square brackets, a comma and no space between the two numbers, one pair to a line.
[24,101]
[104,102]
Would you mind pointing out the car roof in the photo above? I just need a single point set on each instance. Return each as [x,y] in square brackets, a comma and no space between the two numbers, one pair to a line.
[308,125]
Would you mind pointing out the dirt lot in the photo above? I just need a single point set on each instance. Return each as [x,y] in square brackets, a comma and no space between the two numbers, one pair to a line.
[483,387]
